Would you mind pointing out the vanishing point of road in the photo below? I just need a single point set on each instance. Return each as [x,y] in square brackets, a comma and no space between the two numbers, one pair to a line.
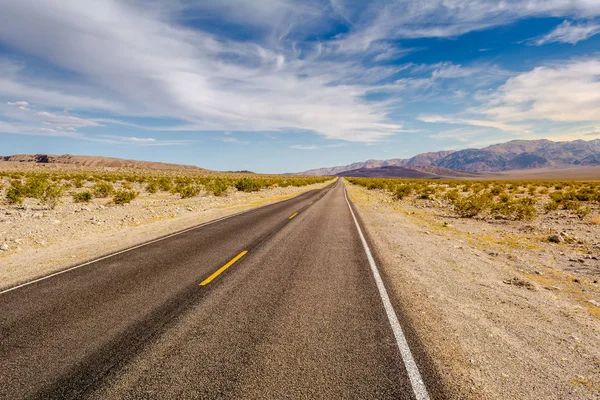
[283,301]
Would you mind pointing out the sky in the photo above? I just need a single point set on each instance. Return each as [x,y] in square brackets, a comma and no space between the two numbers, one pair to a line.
[284,86]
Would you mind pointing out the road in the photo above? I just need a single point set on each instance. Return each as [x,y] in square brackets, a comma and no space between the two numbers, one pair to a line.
[278,302]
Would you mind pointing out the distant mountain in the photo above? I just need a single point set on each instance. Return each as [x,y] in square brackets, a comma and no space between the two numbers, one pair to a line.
[94,161]
[421,160]
[524,154]
[394,171]
[514,155]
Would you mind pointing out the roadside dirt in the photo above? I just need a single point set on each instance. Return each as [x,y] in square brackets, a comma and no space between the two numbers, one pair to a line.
[502,312]
[36,241]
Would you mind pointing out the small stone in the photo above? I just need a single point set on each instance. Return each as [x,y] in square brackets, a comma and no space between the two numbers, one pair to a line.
[4,247]
[555,239]
[594,302]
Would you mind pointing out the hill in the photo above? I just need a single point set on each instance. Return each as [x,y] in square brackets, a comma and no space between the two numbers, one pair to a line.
[94,161]
[394,171]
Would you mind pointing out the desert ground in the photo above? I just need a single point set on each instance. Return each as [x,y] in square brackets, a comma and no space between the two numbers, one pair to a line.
[505,308]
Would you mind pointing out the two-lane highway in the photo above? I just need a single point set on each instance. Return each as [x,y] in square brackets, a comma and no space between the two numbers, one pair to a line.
[278,302]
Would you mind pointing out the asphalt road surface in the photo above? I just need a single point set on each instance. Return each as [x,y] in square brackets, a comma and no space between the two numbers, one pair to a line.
[278,302]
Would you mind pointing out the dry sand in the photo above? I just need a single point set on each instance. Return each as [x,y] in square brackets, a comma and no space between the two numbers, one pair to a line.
[489,335]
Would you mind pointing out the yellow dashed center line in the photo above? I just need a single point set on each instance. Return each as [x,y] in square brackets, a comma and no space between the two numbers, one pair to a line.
[223,268]
[293,215]
[310,202]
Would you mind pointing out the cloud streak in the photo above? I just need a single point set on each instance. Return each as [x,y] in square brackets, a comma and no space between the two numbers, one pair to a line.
[568,32]
[145,59]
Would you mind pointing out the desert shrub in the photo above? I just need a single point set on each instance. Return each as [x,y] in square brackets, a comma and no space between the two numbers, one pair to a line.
[14,195]
[78,181]
[402,191]
[152,187]
[187,191]
[524,209]
[572,205]
[82,197]
[452,195]
[473,205]
[124,196]
[103,189]
[165,184]
[551,206]
[35,186]
[126,185]
[582,212]
[247,185]
[585,194]
[52,194]
[426,192]
[217,186]
[378,184]
[496,190]
[556,197]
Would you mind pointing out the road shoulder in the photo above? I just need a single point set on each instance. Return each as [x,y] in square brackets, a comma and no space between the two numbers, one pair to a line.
[484,338]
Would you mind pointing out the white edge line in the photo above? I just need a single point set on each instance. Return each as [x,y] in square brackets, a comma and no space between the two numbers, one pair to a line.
[414,375]
[143,244]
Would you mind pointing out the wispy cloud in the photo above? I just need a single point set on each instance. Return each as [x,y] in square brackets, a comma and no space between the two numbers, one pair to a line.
[145,59]
[304,147]
[567,32]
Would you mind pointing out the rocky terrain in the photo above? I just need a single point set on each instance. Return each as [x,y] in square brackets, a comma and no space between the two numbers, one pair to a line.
[505,309]
[514,155]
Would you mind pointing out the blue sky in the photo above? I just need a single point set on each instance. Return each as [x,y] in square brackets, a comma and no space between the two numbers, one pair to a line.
[283,86]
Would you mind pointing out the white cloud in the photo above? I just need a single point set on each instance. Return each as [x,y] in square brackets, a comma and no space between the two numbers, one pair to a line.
[18,103]
[139,140]
[446,18]
[560,100]
[507,127]
[304,147]
[568,32]
[452,71]
[64,121]
[567,91]
[214,84]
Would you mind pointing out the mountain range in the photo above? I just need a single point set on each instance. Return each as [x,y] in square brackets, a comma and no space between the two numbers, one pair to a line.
[513,155]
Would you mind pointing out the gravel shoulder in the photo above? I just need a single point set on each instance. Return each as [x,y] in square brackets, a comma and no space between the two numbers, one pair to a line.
[36,241]
[501,312]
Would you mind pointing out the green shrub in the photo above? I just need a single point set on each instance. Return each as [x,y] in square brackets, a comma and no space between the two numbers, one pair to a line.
[165,184]
[217,186]
[52,194]
[524,209]
[452,195]
[402,191]
[124,196]
[248,185]
[551,206]
[582,212]
[152,187]
[14,195]
[82,197]
[473,205]
[103,189]
[188,191]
